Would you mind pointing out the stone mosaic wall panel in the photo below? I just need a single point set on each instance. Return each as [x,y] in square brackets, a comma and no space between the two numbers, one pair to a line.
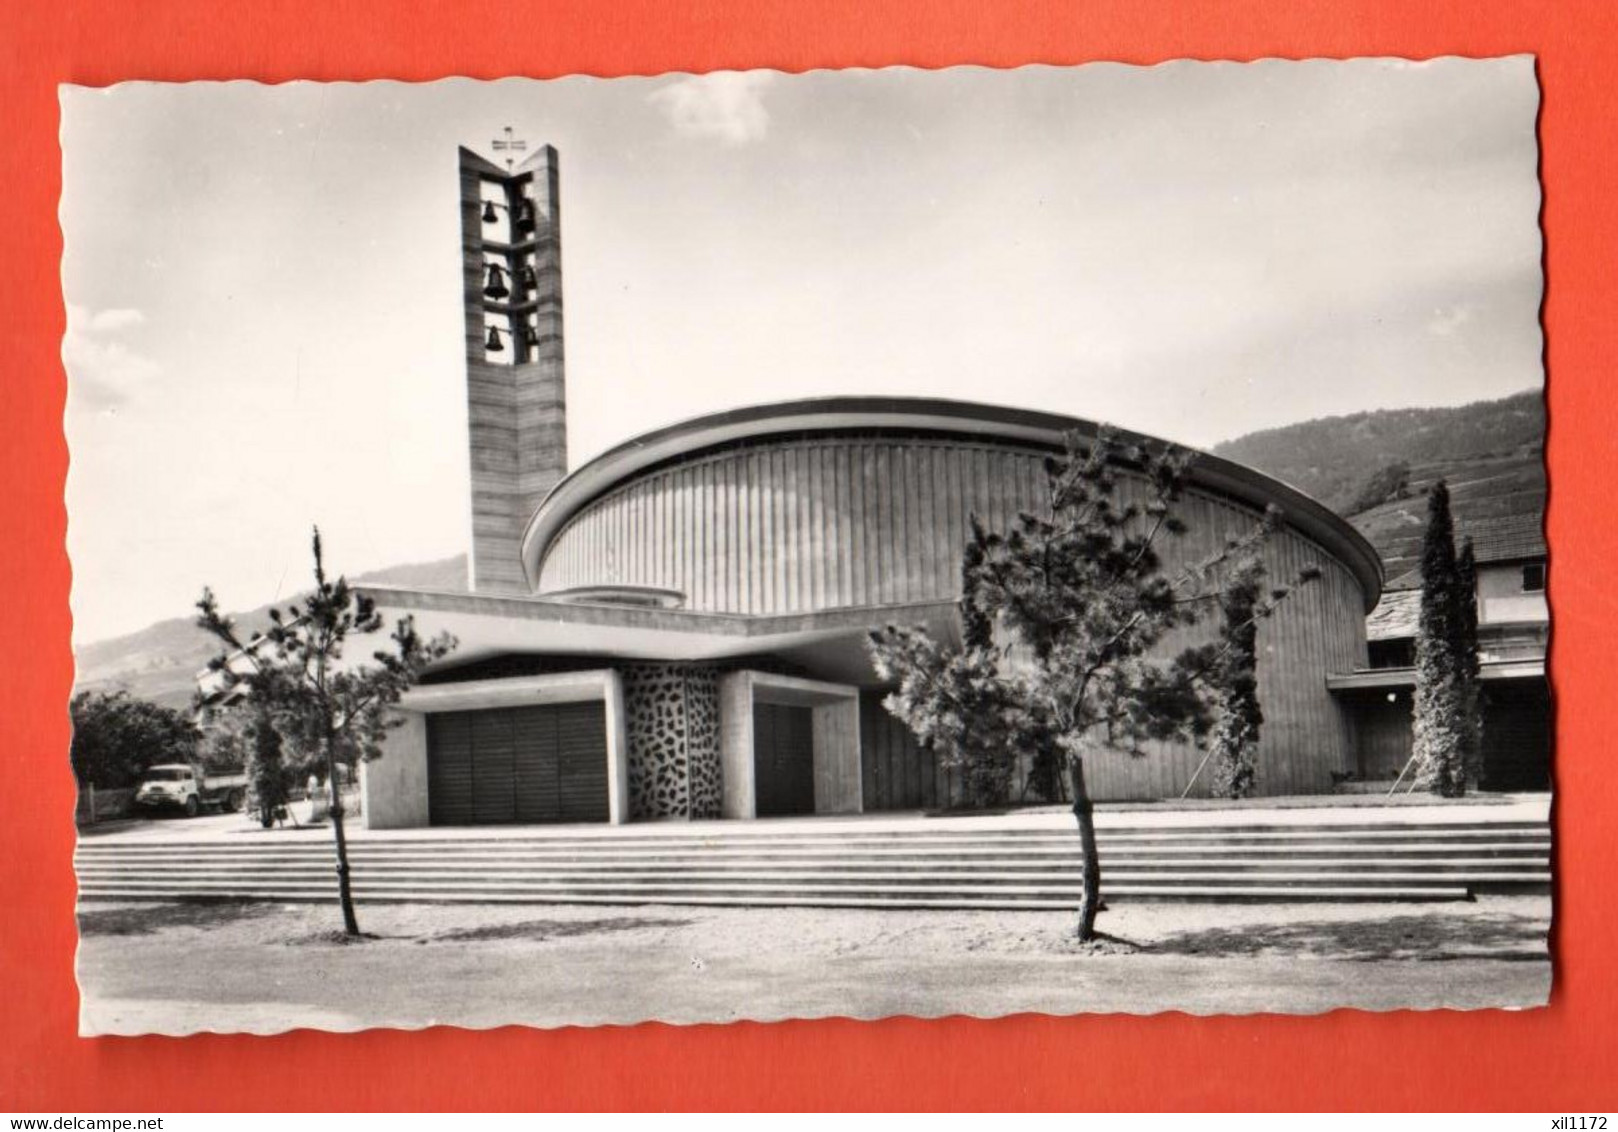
[702,740]
[672,715]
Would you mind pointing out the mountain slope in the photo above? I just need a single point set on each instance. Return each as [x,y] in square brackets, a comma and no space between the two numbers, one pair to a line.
[1375,469]
[1333,458]
[160,662]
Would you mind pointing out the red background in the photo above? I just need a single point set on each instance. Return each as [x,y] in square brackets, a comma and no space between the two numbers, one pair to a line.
[1561,1058]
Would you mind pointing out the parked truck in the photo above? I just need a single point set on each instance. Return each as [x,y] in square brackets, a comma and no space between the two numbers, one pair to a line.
[181,786]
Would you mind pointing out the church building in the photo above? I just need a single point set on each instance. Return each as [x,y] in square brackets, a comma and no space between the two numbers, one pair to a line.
[676,628]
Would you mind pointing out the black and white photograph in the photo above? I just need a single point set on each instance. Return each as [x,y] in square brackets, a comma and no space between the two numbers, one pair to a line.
[760,546]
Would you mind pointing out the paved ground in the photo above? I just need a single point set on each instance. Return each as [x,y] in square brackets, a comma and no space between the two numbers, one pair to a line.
[1345,809]
[181,968]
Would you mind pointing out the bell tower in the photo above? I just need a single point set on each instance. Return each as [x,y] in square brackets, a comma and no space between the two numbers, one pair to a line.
[511,267]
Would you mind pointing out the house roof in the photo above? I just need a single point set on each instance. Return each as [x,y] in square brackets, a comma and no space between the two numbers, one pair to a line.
[1505,538]
[1495,539]
[1396,616]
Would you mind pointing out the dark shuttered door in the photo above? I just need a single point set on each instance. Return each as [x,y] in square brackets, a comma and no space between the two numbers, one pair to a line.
[581,745]
[518,765]
[1516,738]
[494,768]
[535,786]
[449,769]
[783,760]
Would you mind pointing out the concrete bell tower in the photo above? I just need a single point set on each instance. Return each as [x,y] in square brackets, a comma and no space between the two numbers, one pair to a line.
[511,267]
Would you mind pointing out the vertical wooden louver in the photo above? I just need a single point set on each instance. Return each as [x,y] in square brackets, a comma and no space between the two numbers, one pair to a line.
[525,765]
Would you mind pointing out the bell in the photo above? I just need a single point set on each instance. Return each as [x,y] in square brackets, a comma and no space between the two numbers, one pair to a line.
[530,281]
[488,212]
[495,288]
[493,344]
[530,337]
[525,215]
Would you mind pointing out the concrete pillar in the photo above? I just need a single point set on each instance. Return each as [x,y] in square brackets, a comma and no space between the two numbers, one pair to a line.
[617,749]
[394,786]
[839,788]
[737,793]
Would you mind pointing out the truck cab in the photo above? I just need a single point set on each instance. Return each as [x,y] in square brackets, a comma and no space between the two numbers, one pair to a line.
[179,786]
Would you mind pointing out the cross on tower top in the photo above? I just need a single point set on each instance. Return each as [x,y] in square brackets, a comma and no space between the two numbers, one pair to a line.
[510,145]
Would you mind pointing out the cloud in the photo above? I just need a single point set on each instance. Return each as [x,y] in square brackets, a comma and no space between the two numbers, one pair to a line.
[727,106]
[117,318]
[1446,322]
[104,373]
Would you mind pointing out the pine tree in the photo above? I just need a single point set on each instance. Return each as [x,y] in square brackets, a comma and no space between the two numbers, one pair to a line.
[1442,715]
[293,674]
[1233,744]
[1081,600]
[958,699]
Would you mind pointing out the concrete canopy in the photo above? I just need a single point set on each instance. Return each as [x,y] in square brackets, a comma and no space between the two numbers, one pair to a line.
[830,643]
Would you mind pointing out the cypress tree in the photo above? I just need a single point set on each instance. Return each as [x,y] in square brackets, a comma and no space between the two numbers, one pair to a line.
[1440,721]
[1466,651]
[266,770]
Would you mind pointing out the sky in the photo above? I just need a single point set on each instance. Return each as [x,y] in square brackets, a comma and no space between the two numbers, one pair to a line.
[263,283]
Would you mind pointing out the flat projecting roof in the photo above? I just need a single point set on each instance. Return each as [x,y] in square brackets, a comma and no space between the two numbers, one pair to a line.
[490,625]
[966,420]
[1379,679]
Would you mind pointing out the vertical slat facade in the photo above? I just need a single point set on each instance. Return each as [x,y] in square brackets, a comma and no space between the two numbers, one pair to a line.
[799,525]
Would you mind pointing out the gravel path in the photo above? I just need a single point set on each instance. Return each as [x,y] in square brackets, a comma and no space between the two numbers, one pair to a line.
[182,968]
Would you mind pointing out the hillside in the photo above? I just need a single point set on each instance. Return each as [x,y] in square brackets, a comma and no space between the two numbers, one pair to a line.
[160,662]
[1333,458]
[1375,469]
[1485,491]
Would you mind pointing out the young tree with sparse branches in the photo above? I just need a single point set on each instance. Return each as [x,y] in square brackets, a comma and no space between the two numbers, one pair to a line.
[292,674]
[1080,601]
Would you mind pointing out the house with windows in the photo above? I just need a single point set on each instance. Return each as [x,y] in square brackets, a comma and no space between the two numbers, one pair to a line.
[1513,638]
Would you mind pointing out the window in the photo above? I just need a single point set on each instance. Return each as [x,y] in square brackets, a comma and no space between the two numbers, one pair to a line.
[1399,653]
[1533,578]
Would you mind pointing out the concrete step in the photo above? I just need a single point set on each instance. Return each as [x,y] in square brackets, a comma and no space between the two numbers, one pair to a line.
[1065,848]
[808,868]
[769,883]
[834,862]
[843,867]
[1194,835]
[991,899]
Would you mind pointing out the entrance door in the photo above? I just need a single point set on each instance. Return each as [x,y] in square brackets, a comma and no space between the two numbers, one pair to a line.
[1517,737]
[521,766]
[783,760]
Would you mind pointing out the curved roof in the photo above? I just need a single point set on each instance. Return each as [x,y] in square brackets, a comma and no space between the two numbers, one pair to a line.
[965,419]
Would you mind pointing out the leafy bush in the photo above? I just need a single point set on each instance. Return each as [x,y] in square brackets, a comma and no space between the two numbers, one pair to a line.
[116,737]
[1391,481]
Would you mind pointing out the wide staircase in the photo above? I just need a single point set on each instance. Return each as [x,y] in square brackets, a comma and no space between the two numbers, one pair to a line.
[958,867]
